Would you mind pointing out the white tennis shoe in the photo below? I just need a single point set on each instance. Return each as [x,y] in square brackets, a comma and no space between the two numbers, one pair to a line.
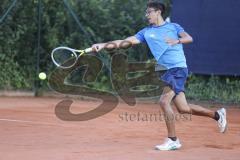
[222,122]
[169,145]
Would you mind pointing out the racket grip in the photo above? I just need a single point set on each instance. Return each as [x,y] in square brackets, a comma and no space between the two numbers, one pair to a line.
[88,50]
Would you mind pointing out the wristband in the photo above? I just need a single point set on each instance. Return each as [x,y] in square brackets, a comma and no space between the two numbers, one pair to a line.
[179,41]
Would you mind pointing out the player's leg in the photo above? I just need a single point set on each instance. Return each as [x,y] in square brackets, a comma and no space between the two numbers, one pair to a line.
[171,143]
[175,79]
[183,107]
[165,101]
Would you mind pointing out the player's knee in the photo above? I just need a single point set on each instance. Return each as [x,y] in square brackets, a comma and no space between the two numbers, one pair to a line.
[164,103]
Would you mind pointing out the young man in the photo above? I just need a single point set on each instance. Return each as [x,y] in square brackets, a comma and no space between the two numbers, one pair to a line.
[165,42]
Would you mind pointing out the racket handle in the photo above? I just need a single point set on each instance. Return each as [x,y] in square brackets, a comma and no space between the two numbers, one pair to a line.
[88,50]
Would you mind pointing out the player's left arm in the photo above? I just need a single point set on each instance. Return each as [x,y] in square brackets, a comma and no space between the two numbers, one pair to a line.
[184,38]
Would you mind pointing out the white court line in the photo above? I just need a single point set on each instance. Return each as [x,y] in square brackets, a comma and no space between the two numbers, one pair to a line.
[23,121]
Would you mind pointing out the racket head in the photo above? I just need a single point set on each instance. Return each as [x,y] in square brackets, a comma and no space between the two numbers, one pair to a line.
[64,57]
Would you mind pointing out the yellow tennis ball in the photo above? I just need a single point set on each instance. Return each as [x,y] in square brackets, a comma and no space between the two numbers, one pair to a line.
[42,76]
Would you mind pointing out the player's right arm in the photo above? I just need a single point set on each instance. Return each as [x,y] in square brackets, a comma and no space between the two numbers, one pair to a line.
[130,41]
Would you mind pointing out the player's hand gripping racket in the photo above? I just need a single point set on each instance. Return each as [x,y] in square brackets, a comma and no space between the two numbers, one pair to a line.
[65,57]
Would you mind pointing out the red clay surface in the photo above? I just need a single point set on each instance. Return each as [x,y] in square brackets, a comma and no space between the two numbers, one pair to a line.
[29,130]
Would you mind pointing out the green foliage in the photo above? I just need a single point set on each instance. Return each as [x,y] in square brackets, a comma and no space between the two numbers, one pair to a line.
[17,46]
[18,32]
[215,88]
[11,75]
[97,21]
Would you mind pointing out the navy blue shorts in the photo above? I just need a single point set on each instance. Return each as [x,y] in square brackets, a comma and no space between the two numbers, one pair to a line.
[175,78]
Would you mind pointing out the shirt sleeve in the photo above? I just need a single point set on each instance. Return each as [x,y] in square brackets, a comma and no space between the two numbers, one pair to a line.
[140,36]
[178,28]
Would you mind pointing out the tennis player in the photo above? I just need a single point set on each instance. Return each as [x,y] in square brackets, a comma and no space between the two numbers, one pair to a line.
[165,41]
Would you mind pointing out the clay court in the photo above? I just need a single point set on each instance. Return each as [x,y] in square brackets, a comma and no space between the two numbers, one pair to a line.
[30,130]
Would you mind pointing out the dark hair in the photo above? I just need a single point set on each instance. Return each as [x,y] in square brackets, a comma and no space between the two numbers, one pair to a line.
[157,6]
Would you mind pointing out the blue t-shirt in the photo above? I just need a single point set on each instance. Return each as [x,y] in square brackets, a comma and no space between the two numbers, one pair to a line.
[165,54]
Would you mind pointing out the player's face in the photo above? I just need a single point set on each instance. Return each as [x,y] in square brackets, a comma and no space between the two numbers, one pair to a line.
[152,15]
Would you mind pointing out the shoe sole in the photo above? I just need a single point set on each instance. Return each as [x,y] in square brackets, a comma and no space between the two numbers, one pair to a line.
[225,129]
[171,149]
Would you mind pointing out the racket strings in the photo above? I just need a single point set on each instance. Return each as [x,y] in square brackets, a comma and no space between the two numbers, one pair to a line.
[64,58]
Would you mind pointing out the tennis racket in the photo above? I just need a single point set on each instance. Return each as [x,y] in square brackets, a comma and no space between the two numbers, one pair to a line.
[65,57]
